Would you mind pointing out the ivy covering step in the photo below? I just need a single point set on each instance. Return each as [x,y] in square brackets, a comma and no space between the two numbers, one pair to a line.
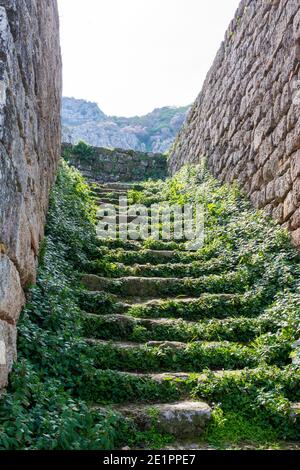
[175,313]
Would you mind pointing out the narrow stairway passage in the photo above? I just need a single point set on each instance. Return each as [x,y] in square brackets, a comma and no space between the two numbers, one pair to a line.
[179,324]
[147,343]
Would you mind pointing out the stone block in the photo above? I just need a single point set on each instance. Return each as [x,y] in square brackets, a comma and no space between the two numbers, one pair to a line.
[292,142]
[257,181]
[296,26]
[277,213]
[11,294]
[183,419]
[8,353]
[280,131]
[282,186]
[295,165]
[265,150]
[288,206]
[270,191]
[295,220]
[286,99]
[258,198]
[296,192]
[296,237]
[259,134]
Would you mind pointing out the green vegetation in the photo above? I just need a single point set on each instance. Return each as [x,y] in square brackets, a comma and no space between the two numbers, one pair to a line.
[240,333]
[247,284]
[83,150]
[42,409]
[256,405]
[194,357]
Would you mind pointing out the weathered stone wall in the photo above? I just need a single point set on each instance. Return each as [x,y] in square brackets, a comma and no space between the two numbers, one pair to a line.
[103,165]
[30,95]
[246,120]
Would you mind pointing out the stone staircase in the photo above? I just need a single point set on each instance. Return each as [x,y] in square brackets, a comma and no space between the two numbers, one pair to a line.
[162,334]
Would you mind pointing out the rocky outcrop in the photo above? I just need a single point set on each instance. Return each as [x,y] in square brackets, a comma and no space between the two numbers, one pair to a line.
[246,118]
[154,132]
[30,95]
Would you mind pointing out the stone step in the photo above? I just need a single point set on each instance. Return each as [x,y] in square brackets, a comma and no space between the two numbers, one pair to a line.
[180,270]
[107,203]
[136,206]
[188,444]
[186,376]
[153,256]
[182,419]
[151,307]
[120,186]
[163,287]
[175,345]
[115,206]
[126,286]
[114,244]
[110,229]
[114,201]
[115,220]
[112,195]
[120,326]
[161,356]
[205,306]
[137,301]
[296,411]
[162,245]
[179,377]
[109,214]
[158,254]
[133,245]
[236,308]
[136,209]
[115,386]
[109,191]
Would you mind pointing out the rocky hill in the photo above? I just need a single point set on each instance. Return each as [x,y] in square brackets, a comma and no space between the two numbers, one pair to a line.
[154,132]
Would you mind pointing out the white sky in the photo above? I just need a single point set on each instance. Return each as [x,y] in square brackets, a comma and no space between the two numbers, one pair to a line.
[131,56]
